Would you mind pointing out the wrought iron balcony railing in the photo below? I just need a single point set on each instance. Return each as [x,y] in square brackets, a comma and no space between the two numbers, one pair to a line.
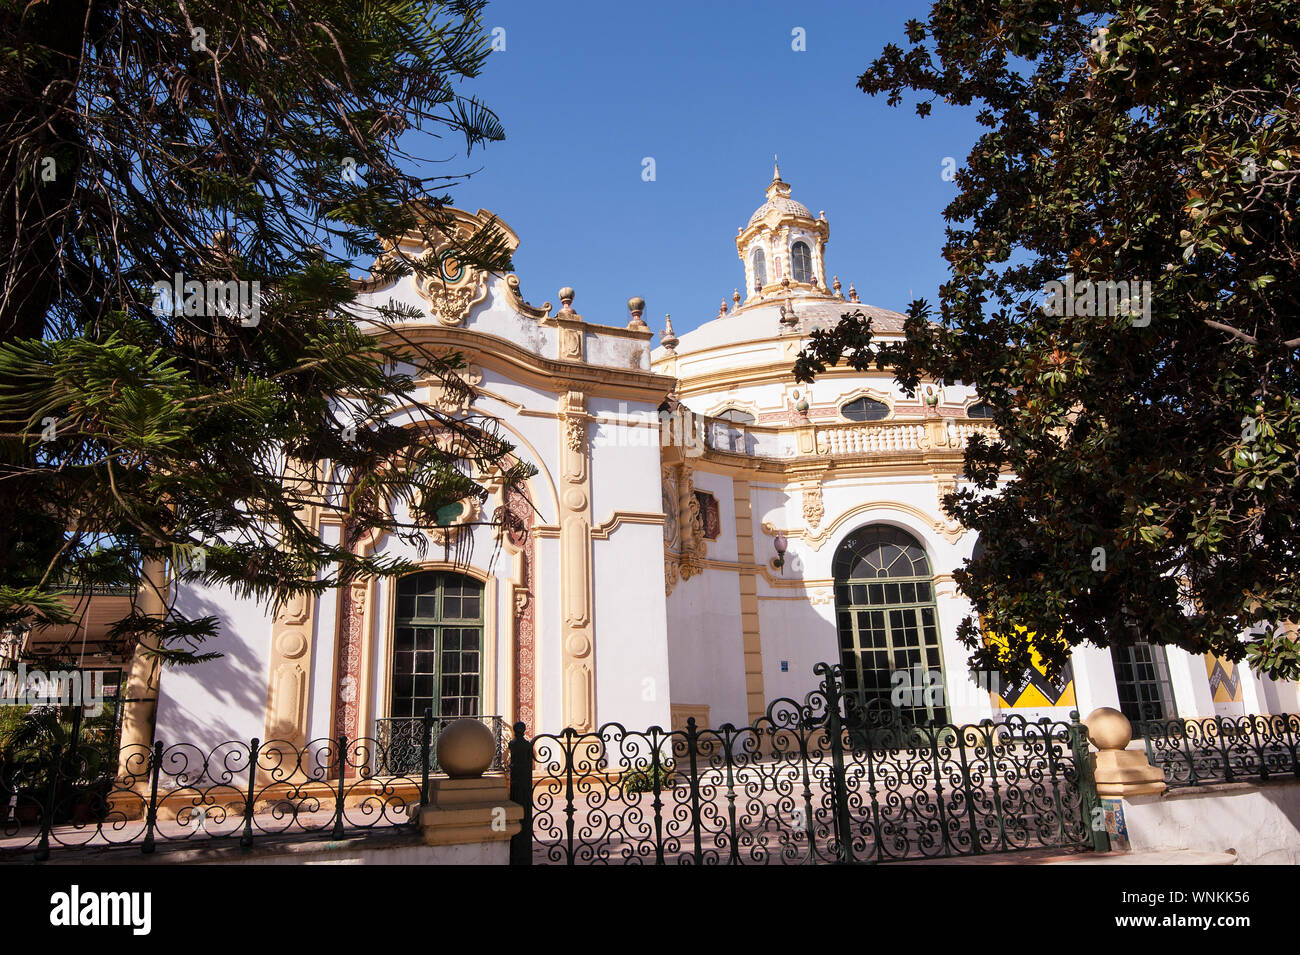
[399,743]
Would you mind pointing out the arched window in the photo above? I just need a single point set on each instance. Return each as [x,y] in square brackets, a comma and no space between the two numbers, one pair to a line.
[437,645]
[760,268]
[735,415]
[981,409]
[888,625]
[865,409]
[801,263]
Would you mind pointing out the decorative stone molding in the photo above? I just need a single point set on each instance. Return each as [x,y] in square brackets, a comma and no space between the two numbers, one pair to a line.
[571,344]
[447,535]
[536,371]
[617,519]
[520,537]
[451,287]
[692,524]
[813,511]
[454,401]
[814,541]
[516,299]
[353,626]
[672,521]
[671,576]
[573,417]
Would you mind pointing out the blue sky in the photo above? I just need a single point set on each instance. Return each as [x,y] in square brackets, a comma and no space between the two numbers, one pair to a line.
[711,91]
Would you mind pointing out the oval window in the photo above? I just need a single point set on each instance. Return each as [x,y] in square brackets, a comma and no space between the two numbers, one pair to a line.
[865,409]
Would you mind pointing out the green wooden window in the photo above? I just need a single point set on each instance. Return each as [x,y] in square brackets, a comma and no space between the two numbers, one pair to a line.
[437,645]
[1142,678]
[888,623]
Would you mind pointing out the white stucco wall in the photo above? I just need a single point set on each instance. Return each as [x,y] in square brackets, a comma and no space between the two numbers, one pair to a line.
[222,699]
[633,681]
[706,651]
[1258,821]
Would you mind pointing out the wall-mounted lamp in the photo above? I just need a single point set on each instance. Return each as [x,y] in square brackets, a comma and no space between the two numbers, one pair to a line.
[779,560]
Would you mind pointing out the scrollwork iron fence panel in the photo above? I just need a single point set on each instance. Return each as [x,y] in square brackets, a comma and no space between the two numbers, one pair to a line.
[402,748]
[235,792]
[805,784]
[1194,752]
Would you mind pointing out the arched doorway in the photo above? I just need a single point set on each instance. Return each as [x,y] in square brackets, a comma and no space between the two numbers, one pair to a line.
[888,625]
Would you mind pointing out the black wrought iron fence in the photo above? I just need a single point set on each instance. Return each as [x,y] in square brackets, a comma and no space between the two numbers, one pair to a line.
[1194,752]
[402,746]
[802,785]
[236,792]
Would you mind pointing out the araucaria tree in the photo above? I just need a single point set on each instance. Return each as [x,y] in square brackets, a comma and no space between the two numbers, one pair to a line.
[1123,252]
[187,190]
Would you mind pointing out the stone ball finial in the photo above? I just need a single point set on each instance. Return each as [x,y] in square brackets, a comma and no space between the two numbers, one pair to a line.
[636,305]
[735,297]
[1108,728]
[566,299]
[465,748]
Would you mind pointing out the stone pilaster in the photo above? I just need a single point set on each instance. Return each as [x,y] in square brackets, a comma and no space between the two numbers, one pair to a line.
[291,644]
[755,695]
[579,665]
[140,700]
[291,640]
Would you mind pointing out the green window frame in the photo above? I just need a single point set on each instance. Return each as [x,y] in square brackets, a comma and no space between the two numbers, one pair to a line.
[888,621]
[437,645]
[1142,680]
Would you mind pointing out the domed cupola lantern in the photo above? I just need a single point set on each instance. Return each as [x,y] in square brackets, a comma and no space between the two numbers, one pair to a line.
[783,242]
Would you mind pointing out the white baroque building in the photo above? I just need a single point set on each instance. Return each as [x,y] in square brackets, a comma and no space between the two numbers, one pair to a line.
[645,581]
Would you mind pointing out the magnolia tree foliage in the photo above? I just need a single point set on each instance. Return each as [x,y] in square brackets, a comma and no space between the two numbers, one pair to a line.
[264,147]
[1142,485]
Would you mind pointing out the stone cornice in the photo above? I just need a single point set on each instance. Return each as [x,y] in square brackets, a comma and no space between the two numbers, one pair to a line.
[548,374]
[778,372]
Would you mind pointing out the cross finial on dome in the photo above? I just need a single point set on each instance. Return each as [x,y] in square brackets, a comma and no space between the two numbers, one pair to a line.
[776,169]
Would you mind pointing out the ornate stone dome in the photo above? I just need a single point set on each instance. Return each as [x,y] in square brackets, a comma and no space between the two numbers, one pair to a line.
[783,204]
[778,198]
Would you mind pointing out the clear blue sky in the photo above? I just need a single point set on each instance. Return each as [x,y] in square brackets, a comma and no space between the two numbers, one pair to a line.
[710,91]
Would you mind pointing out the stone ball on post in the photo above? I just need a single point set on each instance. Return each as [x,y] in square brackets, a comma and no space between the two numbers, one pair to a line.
[1108,728]
[466,748]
